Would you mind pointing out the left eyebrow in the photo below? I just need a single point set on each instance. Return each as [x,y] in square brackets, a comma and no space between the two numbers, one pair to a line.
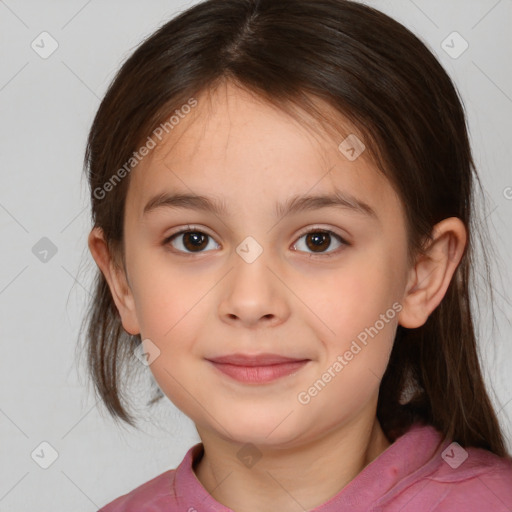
[339,199]
[293,205]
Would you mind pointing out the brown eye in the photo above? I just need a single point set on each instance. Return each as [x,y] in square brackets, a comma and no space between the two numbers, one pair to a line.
[318,241]
[193,240]
[189,241]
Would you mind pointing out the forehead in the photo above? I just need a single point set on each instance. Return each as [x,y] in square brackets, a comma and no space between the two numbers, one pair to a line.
[238,148]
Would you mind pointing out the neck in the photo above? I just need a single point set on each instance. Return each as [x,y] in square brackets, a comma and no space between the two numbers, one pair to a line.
[306,474]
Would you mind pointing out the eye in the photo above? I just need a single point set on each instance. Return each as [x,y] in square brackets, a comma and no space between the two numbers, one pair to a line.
[192,240]
[189,240]
[319,239]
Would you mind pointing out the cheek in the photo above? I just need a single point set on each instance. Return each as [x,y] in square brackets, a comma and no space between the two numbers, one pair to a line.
[172,310]
[361,315]
[359,311]
[354,297]
[167,299]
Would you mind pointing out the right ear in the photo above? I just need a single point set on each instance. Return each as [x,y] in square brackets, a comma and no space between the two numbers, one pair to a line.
[116,279]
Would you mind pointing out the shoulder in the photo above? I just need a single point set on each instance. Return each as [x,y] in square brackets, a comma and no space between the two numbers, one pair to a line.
[153,495]
[169,491]
[478,480]
[482,481]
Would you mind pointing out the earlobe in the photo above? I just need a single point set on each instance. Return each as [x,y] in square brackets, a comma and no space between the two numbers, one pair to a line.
[116,280]
[432,273]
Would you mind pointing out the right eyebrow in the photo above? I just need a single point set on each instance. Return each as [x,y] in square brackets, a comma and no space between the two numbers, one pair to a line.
[188,201]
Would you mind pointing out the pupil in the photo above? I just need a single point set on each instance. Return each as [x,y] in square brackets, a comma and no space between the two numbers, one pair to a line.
[197,240]
[318,237]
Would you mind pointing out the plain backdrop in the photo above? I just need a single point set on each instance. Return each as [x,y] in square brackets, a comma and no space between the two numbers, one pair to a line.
[48,414]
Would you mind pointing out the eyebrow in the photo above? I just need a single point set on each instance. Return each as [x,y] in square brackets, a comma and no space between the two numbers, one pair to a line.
[293,205]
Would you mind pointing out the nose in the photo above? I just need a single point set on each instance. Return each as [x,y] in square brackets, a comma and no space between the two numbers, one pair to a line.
[253,294]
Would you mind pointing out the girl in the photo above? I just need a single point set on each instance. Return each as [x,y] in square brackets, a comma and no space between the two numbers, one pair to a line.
[282,198]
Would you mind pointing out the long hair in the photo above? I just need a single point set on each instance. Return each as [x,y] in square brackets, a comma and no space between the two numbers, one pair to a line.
[387,83]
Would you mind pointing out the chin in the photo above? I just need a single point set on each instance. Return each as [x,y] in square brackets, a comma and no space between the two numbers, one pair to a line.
[264,431]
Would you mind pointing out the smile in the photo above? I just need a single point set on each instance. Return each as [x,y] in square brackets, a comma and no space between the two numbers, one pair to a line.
[259,374]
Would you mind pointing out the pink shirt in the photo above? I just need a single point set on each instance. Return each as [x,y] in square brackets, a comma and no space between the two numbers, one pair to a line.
[418,472]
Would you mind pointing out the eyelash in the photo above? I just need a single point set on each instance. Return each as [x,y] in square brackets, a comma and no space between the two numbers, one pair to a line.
[193,229]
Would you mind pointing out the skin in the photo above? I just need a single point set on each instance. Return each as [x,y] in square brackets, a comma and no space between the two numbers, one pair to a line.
[193,306]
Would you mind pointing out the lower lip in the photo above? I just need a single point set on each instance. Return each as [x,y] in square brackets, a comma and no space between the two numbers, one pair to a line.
[259,374]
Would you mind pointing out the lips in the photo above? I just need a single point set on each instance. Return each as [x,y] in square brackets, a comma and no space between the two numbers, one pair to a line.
[258,368]
[255,360]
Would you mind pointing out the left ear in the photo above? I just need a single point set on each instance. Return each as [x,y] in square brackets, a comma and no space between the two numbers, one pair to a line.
[431,275]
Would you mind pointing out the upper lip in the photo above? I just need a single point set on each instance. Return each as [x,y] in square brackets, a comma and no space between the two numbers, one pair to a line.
[255,360]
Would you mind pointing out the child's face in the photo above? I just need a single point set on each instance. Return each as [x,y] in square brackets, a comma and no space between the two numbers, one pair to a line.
[218,301]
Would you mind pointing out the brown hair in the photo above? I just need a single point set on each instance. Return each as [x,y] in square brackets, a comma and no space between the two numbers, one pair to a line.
[384,80]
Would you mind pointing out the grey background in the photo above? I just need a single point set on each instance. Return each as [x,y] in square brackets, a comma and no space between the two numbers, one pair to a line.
[46,108]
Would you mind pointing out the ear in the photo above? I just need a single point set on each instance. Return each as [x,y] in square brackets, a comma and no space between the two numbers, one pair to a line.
[116,279]
[431,275]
